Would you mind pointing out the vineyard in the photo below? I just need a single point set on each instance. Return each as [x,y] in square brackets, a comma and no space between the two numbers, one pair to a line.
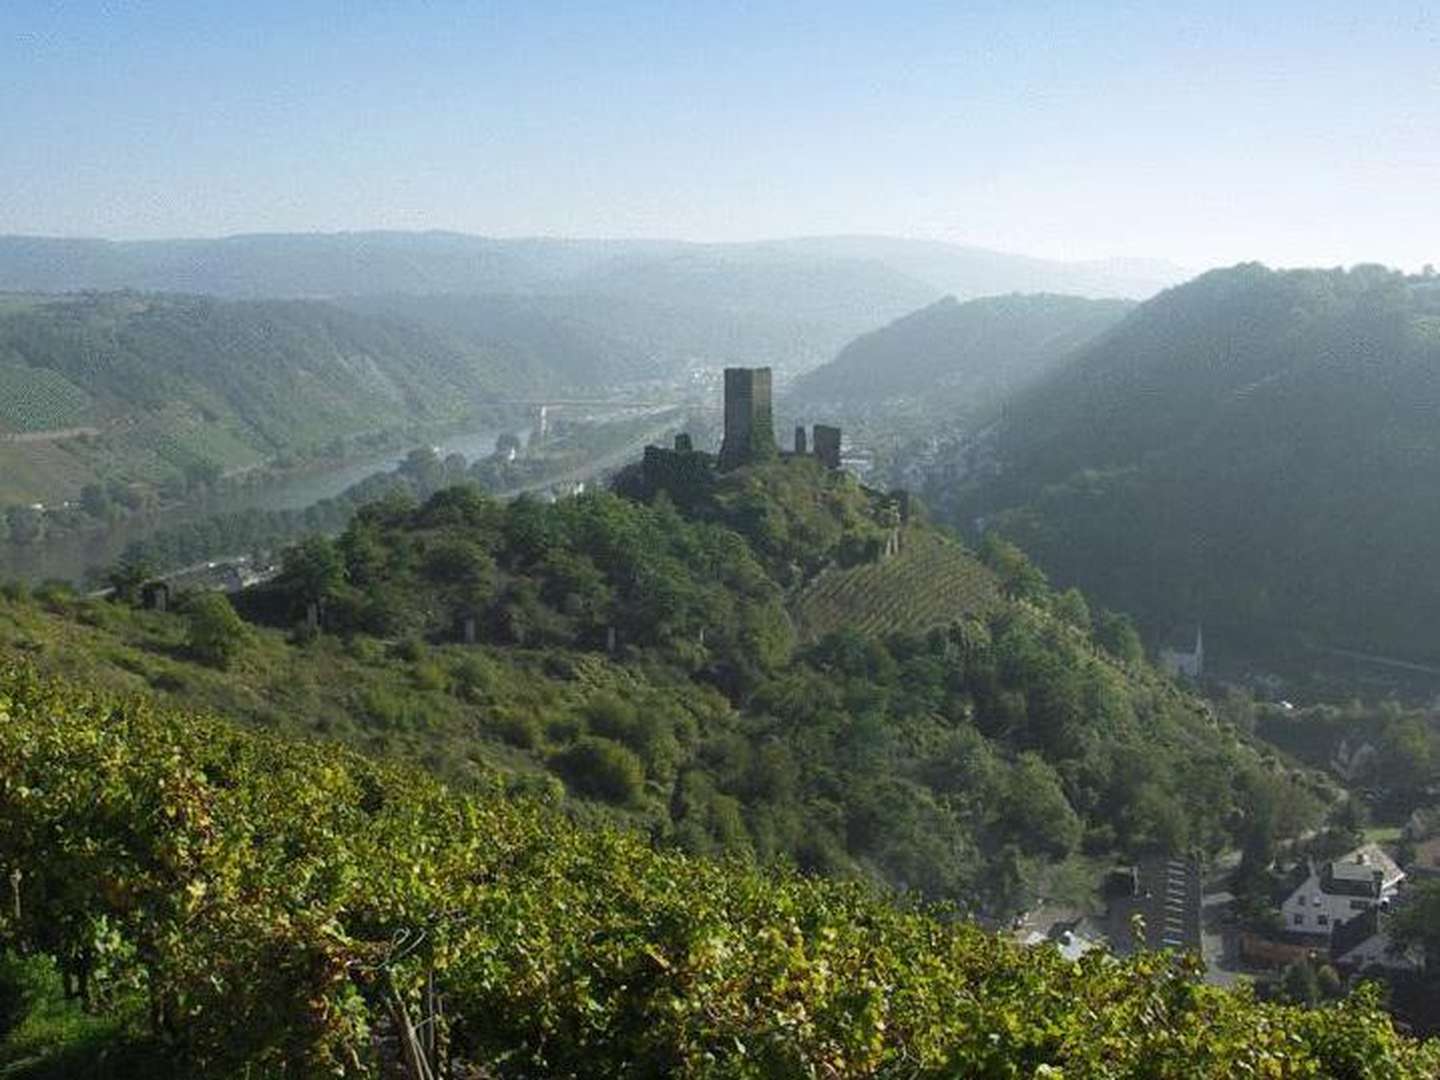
[932,582]
[243,905]
[38,399]
[176,436]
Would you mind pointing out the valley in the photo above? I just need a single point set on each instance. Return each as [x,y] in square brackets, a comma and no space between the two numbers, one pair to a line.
[557,569]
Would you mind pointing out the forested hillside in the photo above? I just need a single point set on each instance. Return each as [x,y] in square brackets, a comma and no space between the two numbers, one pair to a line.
[129,387]
[670,661]
[224,903]
[955,358]
[1255,450]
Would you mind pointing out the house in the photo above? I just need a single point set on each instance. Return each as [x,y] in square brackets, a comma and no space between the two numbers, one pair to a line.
[1362,943]
[1339,890]
[1072,932]
[1177,658]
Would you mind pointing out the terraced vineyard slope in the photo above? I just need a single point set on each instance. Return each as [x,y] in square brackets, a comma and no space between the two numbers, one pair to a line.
[932,582]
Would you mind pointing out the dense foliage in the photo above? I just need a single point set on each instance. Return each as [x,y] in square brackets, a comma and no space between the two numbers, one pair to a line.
[962,756]
[568,452]
[262,906]
[1255,450]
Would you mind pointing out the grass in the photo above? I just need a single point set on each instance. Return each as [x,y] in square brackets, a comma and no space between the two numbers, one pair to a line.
[462,711]
[1384,835]
[44,1035]
[932,582]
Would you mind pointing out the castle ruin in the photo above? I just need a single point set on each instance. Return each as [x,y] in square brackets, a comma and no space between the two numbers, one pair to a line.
[749,426]
[749,439]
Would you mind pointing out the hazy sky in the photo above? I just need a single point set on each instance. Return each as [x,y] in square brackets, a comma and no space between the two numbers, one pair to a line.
[1296,133]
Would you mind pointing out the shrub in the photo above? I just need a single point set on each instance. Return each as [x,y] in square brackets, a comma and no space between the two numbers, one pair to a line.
[216,634]
[602,769]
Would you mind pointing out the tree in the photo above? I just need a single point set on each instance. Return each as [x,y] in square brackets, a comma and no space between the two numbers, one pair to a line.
[27,524]
[1299,984]
[508,444]
[1019,577]
[1116,632]
[127,576]
[1418,923]
[1036,811]
[1070,606]
[202,475]
[217,634]
[313,568]
[603,769]
[424,469]
[95,501]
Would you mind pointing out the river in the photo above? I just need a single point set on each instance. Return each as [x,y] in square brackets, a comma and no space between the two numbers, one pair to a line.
[70,556]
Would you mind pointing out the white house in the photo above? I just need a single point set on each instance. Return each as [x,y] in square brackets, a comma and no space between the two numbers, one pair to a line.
[1340,890]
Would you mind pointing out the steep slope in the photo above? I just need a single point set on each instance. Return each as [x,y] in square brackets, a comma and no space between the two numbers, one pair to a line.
[645,652]
[154,384]
[1256,450]
[237,904]
[957,356]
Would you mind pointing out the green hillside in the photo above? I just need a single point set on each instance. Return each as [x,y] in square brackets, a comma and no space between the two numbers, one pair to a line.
[236,904]
[127,387]
[954,357]
[646,654]
[1255,450]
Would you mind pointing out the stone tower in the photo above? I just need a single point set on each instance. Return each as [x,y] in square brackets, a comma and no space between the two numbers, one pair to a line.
[826,444]
[749,428]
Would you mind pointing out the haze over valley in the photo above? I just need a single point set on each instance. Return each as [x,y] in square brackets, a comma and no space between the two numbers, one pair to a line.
[768,543]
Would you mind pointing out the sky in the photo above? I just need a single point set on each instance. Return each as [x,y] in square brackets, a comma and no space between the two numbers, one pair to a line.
[1205,134]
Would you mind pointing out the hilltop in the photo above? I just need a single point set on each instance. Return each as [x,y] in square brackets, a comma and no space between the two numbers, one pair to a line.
[1255,450]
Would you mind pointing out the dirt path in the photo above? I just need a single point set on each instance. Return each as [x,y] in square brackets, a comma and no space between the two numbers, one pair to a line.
[53,435]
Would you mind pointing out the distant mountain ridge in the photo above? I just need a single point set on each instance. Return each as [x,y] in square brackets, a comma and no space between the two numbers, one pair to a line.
[276,265]
[628,308]
[953,356]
